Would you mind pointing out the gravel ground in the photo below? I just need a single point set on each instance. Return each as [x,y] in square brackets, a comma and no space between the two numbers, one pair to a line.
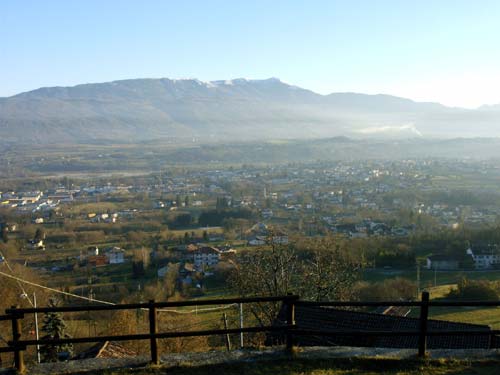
[173,360]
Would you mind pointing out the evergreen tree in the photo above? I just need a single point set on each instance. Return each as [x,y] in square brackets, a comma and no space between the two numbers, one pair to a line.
[269,203]
[39,235]
[54,327]
[186,201]
[5,235]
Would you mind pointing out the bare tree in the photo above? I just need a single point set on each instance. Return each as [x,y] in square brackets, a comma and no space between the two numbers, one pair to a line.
[268,271]
[170,280]
[320,271]
[328,272]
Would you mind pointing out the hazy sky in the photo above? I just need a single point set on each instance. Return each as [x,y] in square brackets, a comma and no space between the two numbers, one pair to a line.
[446,51]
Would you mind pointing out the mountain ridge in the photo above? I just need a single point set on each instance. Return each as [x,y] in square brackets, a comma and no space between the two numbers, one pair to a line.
[150,108]
[214,83]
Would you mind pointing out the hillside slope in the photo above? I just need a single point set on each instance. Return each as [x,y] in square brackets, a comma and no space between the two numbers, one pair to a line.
[146,109]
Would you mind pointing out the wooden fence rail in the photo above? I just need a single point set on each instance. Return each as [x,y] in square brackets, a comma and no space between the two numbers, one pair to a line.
[17,345]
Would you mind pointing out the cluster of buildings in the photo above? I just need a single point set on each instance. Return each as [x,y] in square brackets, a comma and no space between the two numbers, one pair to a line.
[260,234]
[205,257]
[478,257]
[102,218]
[367,228]
[28,201]
[95,258]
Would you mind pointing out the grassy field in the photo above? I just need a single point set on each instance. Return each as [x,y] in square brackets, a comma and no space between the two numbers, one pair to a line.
[352,366]
[428,277]
[475,315]
[487,316]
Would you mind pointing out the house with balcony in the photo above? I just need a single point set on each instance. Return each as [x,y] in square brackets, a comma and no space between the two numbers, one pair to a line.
[485,257]
[206,256]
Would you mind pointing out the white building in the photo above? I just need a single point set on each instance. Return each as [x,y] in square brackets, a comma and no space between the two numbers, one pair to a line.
[36,245]
[485,258]
[92,250]
[116,255]
[206,257]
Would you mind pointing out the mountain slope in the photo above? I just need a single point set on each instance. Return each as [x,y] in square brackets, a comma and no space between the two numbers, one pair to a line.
[144,109]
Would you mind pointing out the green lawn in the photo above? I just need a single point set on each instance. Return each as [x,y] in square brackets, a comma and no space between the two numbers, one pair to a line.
[428,277]
[352,366]
[475,315]
[487,316]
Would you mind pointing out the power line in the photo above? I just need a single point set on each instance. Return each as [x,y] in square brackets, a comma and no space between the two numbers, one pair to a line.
[18,283]
[19,280]
[52,289]
[20,286]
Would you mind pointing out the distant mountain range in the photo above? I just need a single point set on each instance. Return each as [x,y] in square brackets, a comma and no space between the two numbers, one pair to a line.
[239,109]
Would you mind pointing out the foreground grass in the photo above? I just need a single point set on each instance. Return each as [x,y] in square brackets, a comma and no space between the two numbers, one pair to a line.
[488,316]
[352,366]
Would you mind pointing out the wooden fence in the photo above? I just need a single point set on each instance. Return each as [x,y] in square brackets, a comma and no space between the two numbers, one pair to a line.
[18,345]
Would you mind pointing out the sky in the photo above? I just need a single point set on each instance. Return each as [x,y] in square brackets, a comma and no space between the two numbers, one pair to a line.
[444,51]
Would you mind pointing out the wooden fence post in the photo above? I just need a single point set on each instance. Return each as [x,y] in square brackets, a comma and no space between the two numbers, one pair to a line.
[290,320]
[153,329]
[424,314]
[16,336]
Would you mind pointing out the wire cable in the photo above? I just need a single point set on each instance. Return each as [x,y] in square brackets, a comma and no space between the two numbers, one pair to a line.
[111,303]
[18,283]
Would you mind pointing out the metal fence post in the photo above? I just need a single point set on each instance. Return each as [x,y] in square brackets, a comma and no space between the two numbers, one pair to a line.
[290,320]
[16,336]
[227,337]
[424,314]
[152,331]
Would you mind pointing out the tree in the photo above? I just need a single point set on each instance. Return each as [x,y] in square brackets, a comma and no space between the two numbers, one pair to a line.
[186,201]
[268,202]
[222,203]
[140,262]
[387,290]
[39,234]
[329,273]
[5,234]
[320,271]
[170,281]
[182,221]
[265,272]
[482,290]
[54,327]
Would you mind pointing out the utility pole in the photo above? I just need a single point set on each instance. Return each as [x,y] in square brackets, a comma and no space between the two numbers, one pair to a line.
[418,279]
[36,329]
[241,326]
[90,297]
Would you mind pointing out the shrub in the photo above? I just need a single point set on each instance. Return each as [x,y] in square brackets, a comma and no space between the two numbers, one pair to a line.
[483,290]
[387,290]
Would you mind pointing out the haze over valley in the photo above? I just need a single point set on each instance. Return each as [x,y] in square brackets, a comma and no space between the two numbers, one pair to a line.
[239,109]
[345,196]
